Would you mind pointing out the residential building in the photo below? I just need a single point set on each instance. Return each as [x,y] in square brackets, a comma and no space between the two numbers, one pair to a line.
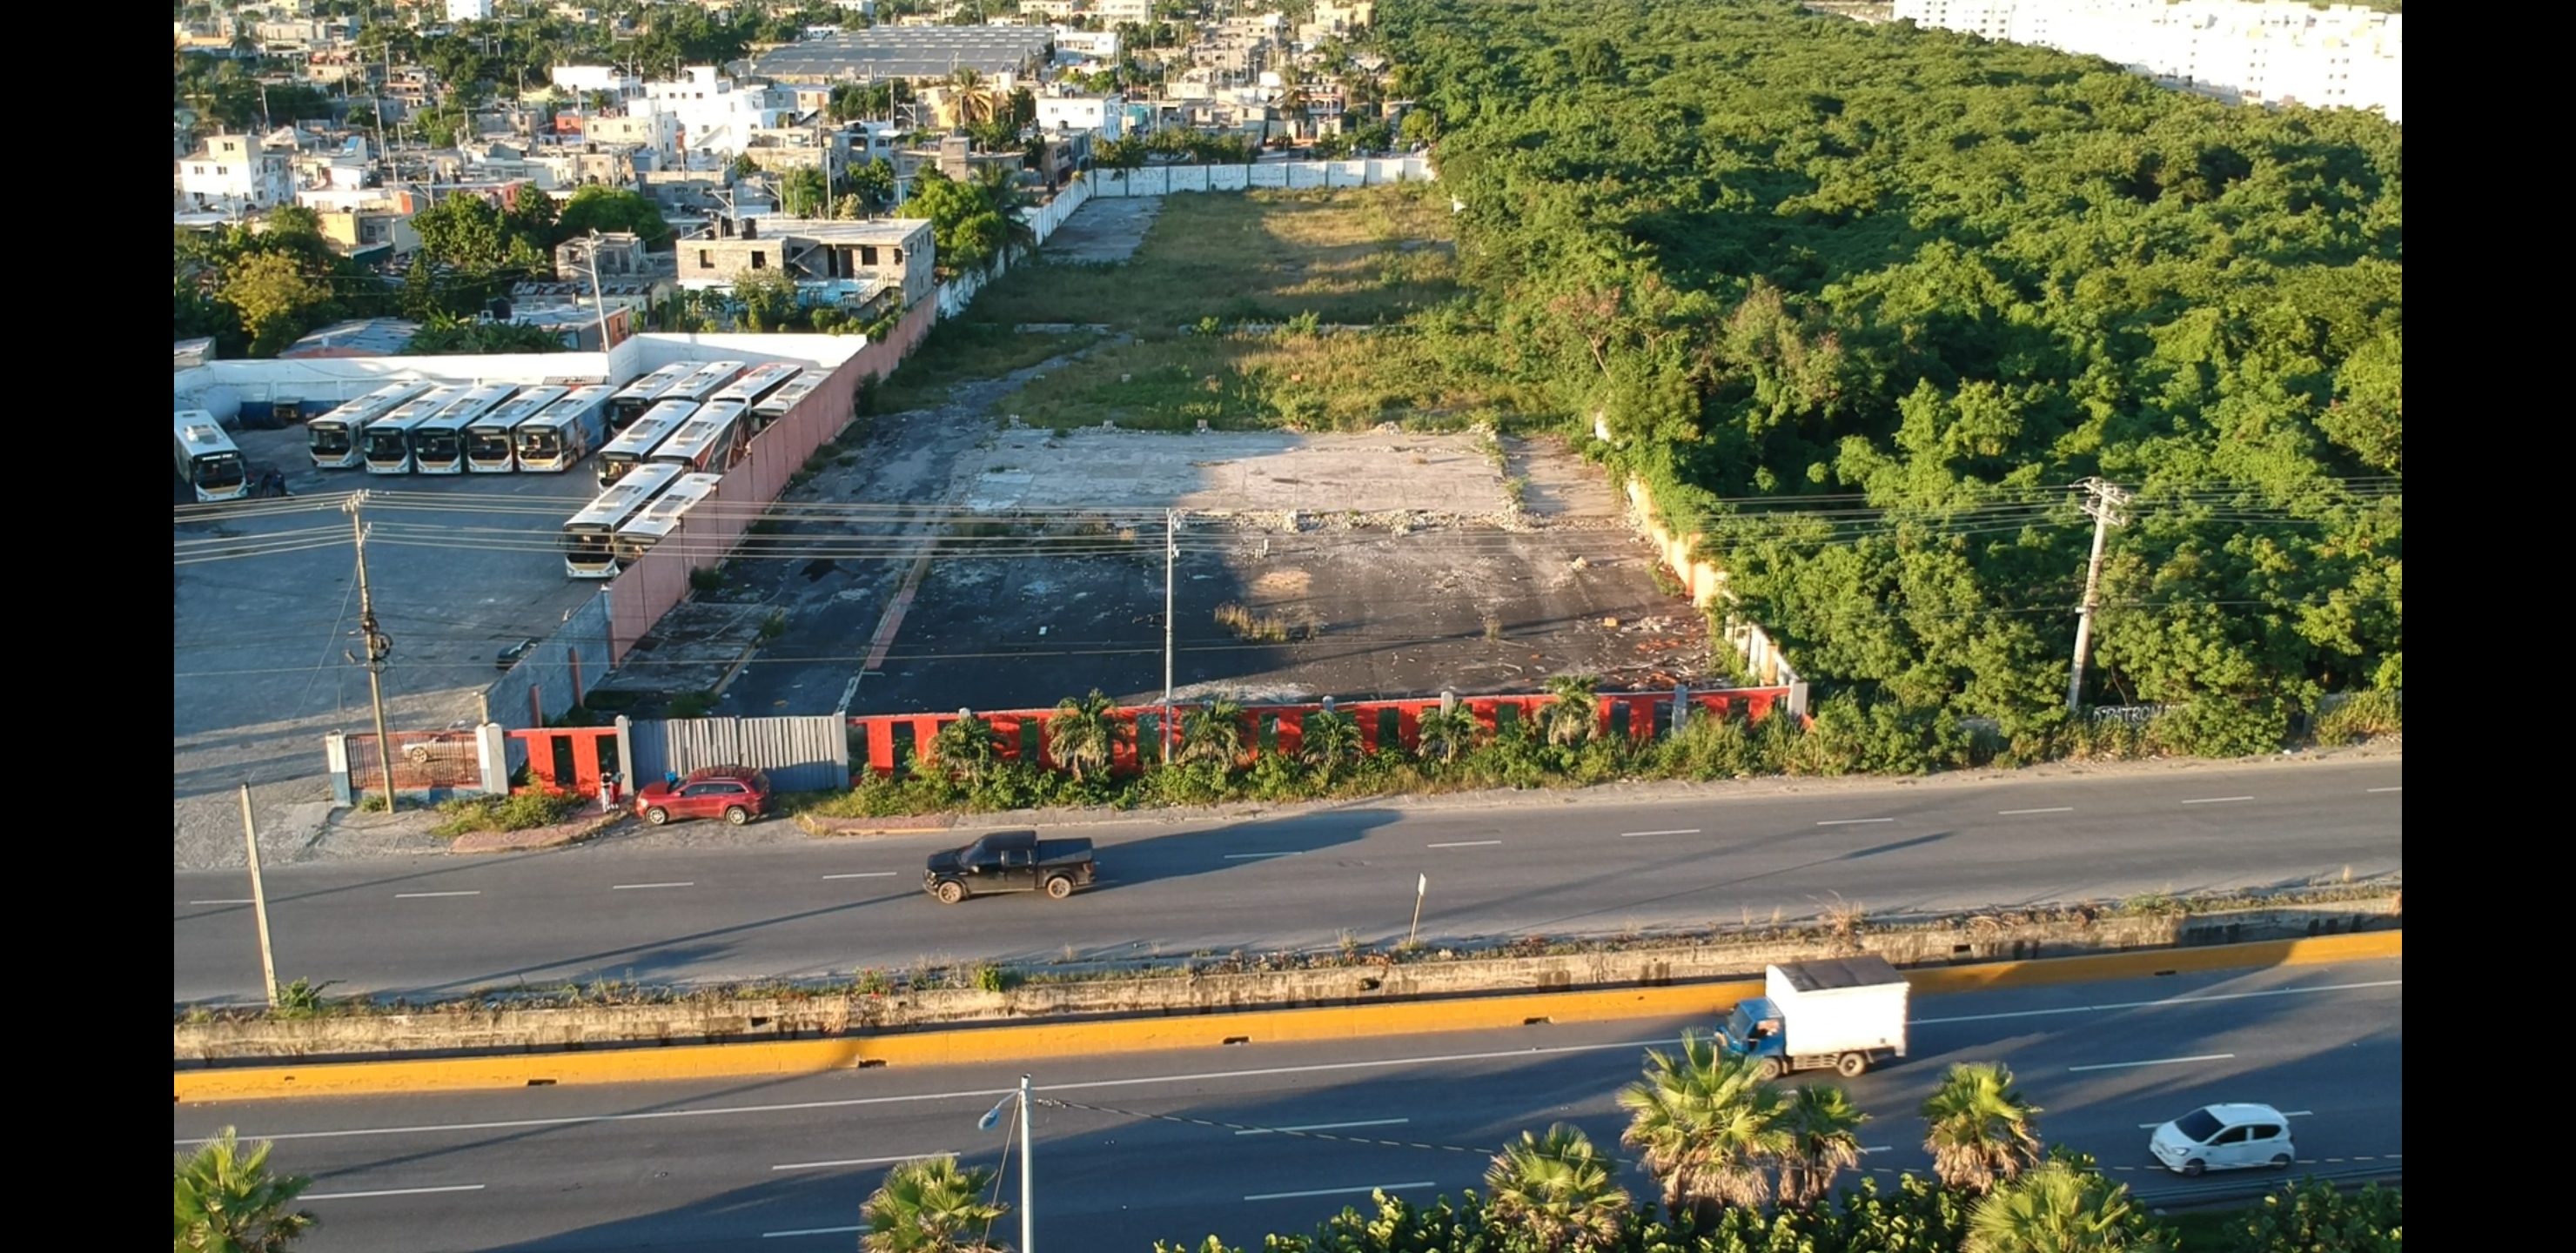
[1123,12]
[305,34]
[364,337]
[1085,45]
[715,114]
[581,80]
[1057,9]
[659,132]
[1073,111]
[874,264]
[469,10]
[2241,51]
[779,149]
[234,173]
[619,255]
[915,53]
[382,230]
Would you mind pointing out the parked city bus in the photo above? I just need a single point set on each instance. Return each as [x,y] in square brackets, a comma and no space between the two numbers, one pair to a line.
[756,383]
[387,440]
[658,519]
[333,437]
[775,406]
[205,457]
[590,536]
[491,443]
[557,439]
[703,383]
[438,443]
[634,446]
[709,442]
[630,401]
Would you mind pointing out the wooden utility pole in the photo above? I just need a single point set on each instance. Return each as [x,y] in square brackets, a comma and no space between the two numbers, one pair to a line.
[2105,503]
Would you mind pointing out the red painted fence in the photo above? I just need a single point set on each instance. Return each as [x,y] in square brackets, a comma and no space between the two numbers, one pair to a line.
[1022,732]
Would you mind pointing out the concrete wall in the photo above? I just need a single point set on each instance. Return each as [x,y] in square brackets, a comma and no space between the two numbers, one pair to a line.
[1961,944]
[1159,180]
[1705,584]
[554,675]
[317,383]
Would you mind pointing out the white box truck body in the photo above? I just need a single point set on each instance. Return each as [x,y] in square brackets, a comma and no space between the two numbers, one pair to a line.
[1846,1013]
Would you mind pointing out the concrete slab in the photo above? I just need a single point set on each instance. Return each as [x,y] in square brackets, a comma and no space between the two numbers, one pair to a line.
[1104,230]
[1237,473]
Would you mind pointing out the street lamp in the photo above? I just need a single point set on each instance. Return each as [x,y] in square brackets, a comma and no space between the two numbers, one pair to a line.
[1028,1218]
[598,303]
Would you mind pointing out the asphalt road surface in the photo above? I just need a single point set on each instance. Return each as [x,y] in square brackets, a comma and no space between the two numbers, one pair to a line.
[1545,863]
[1179,1145]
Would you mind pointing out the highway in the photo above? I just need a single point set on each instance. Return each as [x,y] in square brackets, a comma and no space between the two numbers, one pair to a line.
[1553,863]
[1178,1145]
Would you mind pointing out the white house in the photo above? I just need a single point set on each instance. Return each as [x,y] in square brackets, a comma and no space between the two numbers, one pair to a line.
[1120,12]
[581,80]
[1099,115]
[233,173]
[716,115]
[469,10]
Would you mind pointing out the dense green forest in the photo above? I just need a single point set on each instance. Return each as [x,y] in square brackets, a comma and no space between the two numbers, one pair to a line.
[1864,302]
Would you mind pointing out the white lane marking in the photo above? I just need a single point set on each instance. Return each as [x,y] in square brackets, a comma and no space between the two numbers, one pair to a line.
[810,1231]
[2162,1002]
[863,874]
[1879,1148]
[2215,800]
[351,1196]
[1851,822]
[2399,788]
[2298,1113]
[424,896]
[1463,844]
[2053,809]
[638,887]
[862,1161]
[1362,1191]
[1639,835]
[1204,1076]
[2156,1061]
[1326,1126]
[1247,856]
[243,901]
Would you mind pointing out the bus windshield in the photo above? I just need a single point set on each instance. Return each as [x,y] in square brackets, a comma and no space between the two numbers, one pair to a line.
[539,442]
[437,445]
[387,445]
[328,439]
[489,445]
[219,470]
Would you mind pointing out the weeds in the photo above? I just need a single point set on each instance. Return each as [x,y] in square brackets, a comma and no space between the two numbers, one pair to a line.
[691,705]
[706,578]
[302,998]
[1251,626]
[773,626]
[519,811]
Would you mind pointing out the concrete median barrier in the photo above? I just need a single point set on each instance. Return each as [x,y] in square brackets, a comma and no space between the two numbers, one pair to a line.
[1030,1042]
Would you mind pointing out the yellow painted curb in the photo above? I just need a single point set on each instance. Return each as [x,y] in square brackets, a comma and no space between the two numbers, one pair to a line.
[1030,1041]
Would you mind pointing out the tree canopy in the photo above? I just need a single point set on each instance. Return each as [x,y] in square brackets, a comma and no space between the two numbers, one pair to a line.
[1861,303]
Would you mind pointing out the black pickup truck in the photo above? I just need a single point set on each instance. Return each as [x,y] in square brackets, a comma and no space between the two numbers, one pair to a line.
[1009,861]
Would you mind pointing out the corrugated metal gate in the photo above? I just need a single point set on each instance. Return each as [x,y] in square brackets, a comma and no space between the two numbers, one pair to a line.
[800,754]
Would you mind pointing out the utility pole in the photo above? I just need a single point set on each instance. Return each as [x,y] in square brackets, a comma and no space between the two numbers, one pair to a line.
[1171,557]
[378,648]
[1028,1194]
[2105,502]
[259,901]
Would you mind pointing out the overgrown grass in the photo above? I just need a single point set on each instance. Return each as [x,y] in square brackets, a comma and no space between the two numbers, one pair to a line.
[962,351]
[519,811]
[1422,376]
[1351,256]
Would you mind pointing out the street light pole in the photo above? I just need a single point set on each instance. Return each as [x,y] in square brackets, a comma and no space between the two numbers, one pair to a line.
[598,303]
[378,647]
[1028,1217]
[1171,556]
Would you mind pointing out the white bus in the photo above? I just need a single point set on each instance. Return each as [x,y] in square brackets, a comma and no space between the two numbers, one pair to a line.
[756,383]
[630,401]
[708,442]
[438,442]
[333,437]
[387,440]
[634,446]
[775,406]
[590,536]
[658,519]
[703,383]
[205,457]
[491,443]
[559,438]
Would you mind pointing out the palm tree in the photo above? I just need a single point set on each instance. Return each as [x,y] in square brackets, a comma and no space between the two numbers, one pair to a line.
[930,1206]
[1213,732]
[1708,1124]
[975,100]
[1824,1141]
[2054,1208]
[1558,1192]
[1448,734]
[1002,191]
[1570,717]
[1082,735]
[1980,1128]
[1328,739]
[225,1200]
[965,748]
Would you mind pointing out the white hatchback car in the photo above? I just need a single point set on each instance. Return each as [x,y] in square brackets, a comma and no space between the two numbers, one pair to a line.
[2224,1137]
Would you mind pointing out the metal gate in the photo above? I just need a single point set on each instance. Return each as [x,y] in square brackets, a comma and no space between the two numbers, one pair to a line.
[805,754]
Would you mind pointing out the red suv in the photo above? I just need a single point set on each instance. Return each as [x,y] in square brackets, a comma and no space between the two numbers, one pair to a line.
[737,794]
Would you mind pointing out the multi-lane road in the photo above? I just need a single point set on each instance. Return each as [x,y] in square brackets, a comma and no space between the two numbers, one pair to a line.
[1178,1145]
[1549,863]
